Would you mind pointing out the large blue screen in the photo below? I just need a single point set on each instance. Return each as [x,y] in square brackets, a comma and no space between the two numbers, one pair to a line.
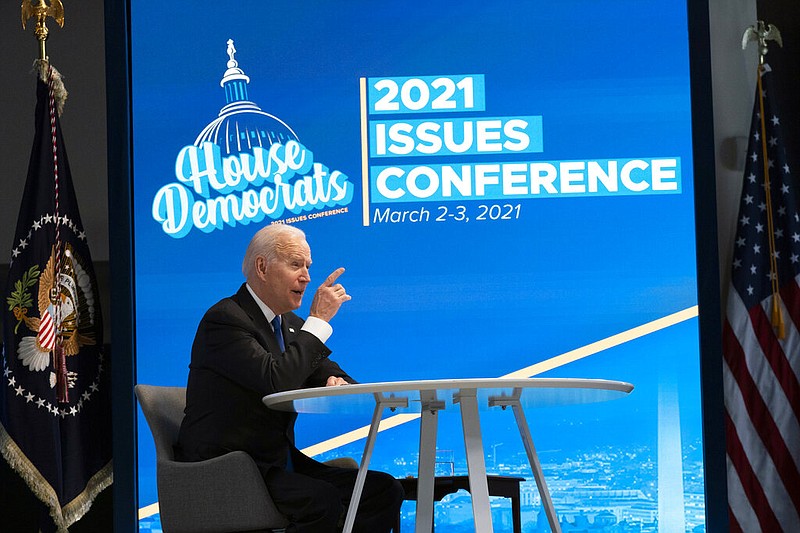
[509,186]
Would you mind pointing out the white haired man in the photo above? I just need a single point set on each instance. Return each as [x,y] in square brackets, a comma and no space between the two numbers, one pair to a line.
[252,344]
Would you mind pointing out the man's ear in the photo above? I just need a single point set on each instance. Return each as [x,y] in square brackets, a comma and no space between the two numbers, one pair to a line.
[261,267]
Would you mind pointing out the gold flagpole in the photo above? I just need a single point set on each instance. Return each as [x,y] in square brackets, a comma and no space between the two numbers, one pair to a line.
[40,10]
[761,33]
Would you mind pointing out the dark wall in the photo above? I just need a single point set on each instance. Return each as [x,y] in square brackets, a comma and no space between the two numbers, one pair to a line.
[785,64]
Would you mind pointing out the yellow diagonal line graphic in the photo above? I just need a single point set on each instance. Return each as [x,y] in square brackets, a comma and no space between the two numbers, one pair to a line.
[605,344]
[148,510]
[529,371]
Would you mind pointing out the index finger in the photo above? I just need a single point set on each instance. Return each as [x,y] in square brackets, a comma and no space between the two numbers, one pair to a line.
[333,277]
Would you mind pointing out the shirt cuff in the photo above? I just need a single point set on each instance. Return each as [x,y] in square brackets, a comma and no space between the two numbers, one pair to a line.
[318,327]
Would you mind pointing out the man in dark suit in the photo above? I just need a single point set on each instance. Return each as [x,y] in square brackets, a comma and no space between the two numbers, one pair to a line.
[252,344]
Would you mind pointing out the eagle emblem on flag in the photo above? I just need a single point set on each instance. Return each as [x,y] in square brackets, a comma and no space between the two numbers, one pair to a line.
[65,302]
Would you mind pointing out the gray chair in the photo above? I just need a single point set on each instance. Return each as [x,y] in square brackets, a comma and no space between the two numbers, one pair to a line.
[221,495]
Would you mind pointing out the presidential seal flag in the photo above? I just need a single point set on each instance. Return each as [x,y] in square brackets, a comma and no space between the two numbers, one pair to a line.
[761,339]
[55,416]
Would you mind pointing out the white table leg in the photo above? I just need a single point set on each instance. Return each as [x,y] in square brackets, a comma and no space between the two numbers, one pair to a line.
[362,469]
[427,460]
[476,463]
[536,467]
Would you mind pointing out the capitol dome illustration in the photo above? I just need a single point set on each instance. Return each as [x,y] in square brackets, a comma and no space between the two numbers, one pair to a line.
[241,124]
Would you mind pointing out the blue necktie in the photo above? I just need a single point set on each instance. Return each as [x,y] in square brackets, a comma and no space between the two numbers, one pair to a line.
[276,327]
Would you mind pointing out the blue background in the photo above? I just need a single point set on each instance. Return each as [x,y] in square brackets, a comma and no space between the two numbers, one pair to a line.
[442,299]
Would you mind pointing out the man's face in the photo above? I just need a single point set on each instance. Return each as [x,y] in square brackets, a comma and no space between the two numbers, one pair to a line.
[284,280]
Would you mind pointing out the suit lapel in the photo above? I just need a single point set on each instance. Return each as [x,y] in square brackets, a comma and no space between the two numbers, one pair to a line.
[265,335]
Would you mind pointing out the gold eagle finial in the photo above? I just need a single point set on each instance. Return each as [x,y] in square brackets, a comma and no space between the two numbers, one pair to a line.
[40,10]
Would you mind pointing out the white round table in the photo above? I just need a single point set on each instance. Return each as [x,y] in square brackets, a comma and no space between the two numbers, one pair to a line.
[427,397]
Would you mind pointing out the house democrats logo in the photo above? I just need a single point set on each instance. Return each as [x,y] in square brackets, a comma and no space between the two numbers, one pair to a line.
[244,166]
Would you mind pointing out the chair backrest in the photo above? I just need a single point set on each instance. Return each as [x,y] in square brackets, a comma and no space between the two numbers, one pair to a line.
[163,409]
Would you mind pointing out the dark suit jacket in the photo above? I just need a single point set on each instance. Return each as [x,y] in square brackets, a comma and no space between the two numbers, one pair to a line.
[235,362]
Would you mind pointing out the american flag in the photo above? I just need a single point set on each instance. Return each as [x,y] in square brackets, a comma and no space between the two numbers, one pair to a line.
[761,341]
